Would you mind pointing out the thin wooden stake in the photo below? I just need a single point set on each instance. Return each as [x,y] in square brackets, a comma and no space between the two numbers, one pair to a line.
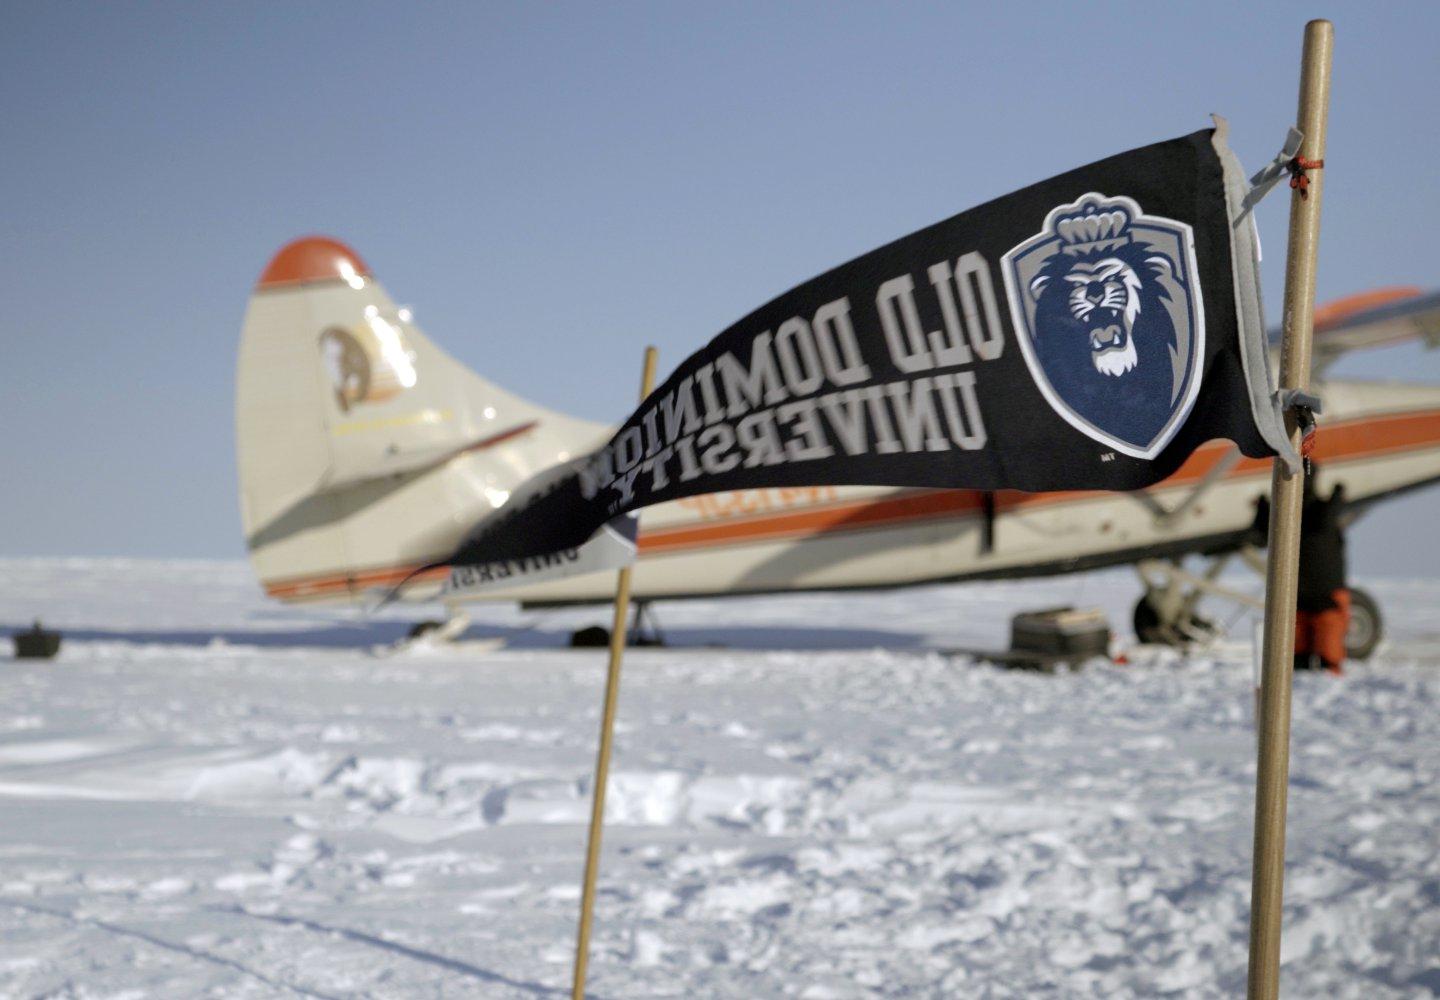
[1273,772]
[607,732]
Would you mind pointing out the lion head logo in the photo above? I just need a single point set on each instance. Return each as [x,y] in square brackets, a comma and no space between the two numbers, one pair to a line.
[1106,303]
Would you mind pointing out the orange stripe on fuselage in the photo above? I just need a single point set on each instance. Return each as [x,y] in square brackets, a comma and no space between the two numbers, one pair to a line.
[324,586]
[856,515]
[1364,437]
[1400,432]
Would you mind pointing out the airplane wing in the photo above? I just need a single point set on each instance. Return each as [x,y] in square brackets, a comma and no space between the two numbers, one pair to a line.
[1373,319]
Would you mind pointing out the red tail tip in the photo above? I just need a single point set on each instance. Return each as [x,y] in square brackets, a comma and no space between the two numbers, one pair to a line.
[314,258]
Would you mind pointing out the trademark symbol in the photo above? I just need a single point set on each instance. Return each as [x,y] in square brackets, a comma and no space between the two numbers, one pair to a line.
[1109,456]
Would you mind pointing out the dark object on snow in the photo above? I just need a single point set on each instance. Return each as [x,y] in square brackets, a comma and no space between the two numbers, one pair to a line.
[422,628]
[1061,632]
[36,644]
[594,637]
[1151,629]
[645,633]
[1050,639]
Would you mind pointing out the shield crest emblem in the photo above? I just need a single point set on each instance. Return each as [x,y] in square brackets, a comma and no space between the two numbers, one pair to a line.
[1107,307]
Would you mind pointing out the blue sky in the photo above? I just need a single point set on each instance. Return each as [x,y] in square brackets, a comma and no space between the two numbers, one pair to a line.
[553,186]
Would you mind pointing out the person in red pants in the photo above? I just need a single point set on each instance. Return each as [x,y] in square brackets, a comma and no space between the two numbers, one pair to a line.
[1322,633]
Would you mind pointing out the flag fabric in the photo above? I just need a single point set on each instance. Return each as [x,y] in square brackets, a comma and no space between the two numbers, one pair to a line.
[1086,332]
[610,548]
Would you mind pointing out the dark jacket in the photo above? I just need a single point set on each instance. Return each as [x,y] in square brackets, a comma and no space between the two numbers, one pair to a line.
[1322,553]
[1322,548]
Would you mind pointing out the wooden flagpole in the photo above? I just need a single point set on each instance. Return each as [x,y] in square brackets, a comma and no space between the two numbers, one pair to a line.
[1273,773]
[607,731]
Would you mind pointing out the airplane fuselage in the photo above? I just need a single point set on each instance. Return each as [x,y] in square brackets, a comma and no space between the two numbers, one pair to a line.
[1378,439]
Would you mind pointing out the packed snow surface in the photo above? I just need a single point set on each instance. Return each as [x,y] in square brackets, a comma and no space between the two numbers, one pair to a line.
[209,795]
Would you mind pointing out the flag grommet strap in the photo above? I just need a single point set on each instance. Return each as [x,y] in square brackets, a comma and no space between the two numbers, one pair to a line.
[1265,179]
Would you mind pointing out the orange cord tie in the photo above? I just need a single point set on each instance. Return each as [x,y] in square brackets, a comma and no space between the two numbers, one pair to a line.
[1304,406]
[1299,180]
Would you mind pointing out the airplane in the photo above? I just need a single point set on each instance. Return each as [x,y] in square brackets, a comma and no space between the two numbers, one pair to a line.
[365,452]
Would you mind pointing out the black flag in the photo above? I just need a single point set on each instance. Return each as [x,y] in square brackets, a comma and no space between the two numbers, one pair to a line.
[1087,332]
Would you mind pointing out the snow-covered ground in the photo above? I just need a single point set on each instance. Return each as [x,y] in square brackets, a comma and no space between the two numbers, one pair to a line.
[211,795]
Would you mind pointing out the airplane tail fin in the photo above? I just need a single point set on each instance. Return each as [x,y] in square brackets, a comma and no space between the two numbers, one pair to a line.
[363,448]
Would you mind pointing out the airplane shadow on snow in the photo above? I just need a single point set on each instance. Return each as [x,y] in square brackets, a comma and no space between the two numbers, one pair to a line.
[362,636]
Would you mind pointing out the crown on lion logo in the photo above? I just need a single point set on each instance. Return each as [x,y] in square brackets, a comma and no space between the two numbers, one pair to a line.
[1095,225]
